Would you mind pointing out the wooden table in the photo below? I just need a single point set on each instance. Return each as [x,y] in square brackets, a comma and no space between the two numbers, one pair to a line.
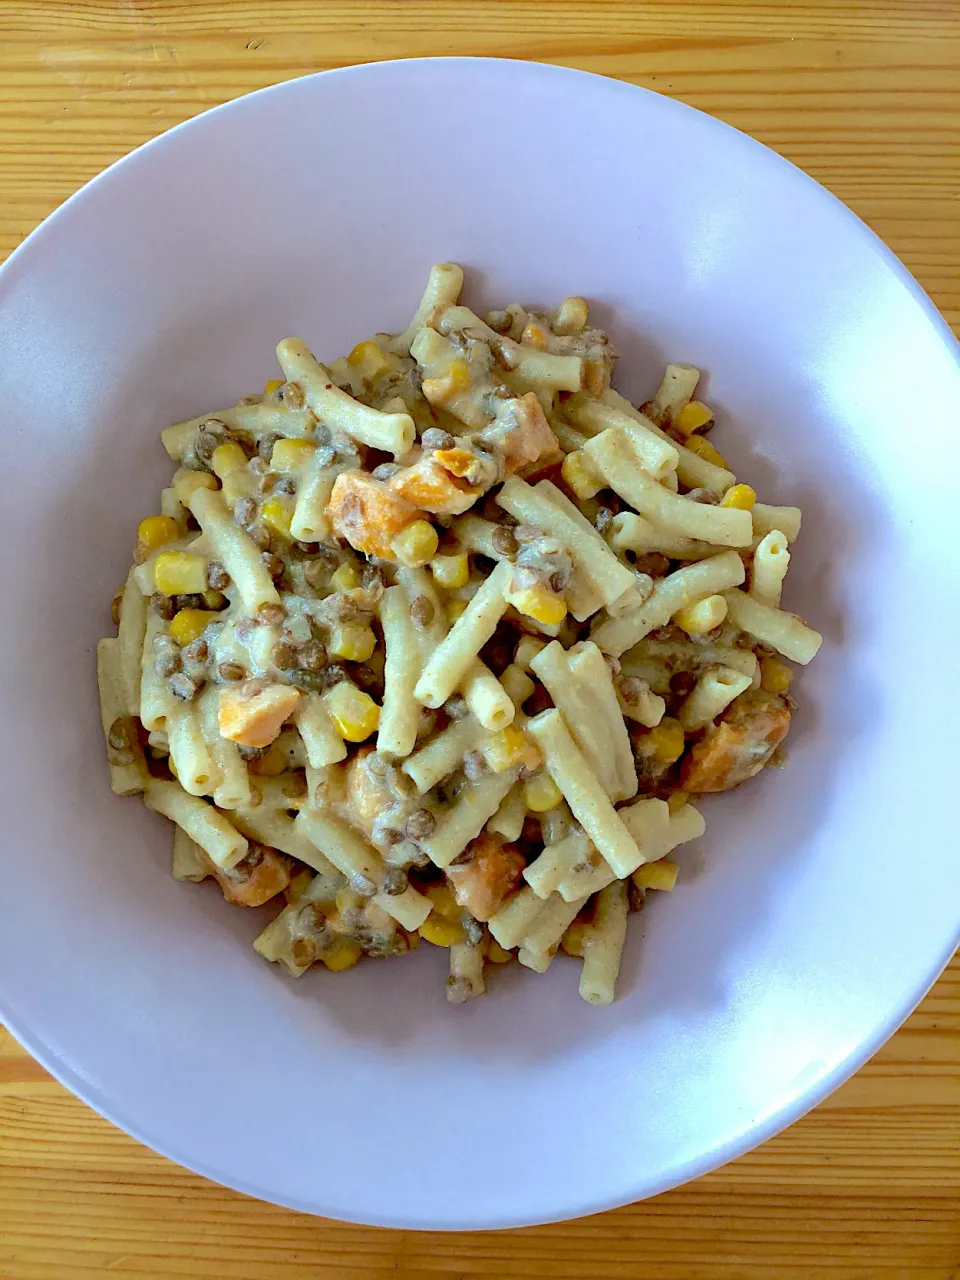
[863,95]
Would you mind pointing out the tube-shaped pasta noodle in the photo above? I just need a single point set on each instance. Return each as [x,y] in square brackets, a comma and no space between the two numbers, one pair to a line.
[630,532]
[770,562]
[562,373]
[655,453]
[128,770]
[714,691]
[552,666]
[786,633]
[676,387]
[323,743]
[466,818]
[452,658]
[192,761]
[235,550]
[189,860]
[466,972]
[587,665]
[156,699]
[441,755]
[767,518]
[252,420]
[509,818]
[551,923]
[233,788]
[400,712]
[556,864]
[486,697]
[725,526]
[515,917]
[692,470]
[314,486]
[671,594]
[442,290]
[584,793]
[215,835]
[130,636]
[393,432]
[603,941]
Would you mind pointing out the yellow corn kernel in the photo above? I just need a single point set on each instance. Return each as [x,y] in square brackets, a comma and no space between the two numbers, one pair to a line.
[508,747]
[354,641]
[697,619]
[739,496]
[226,458]
[676,800]
[444,903]
[579,475]
[346,578]
[454,609]
[534,336]
[344,955]
[540,604]
[497,954]
[187,482]
[180,573]
[665,742]
[416,544]
[572,940]
[571,317]
[541,793]
[692,417]
[368,358]
[657,875]
[451,571]
[188,625]
[157,531]
[704,449]
[354,712]
[775,676]
[458,375]
[441,932]
[215,600]
[290,454]
[271,386]
[277,514]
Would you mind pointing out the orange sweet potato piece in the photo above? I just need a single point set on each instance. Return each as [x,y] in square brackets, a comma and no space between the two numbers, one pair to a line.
[253,714]
[530,443]
[490,873]
[430,486]
[738,746]
[366,794]
[257,878]
[368,512]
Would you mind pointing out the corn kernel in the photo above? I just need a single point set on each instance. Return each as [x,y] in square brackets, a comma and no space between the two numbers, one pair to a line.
[278,514]
[572,940]
[508,747]
[571,317]
[458,375]
[180,573]
[657,875]
[534,336]
[298,885]
[354,712]
[346,578]
[416,544]
[344,955]
[441,932]
[290,454]
[451,571]
[455,608]
[157,531]
[444,903]
[739,496]
[676,800]
[188,625]
[354,641]
[271,386]
[227,457]
[775,676]
[541,793]
[705,450]
[664,743]
[697,619]
[215,600]
[579,475]
[540,604]
[692,417]
[497,954]
[368,358]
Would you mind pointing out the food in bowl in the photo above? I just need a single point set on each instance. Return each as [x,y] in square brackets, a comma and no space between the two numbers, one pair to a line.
[439,641]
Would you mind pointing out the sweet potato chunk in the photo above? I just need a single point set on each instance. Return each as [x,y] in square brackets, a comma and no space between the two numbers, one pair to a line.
[368,513]
[524,436]
[257,878]
[429,485]
[739,745]
[487,877]
[253,714]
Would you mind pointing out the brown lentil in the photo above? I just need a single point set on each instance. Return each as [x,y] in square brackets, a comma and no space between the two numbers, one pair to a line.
[436,438]
[115,608]
[265,445]
[192,601]
[455,706]
[314,572]
[284,655]
[653,563]
[118,738]
[632,688]
[603,519]
[260,535]
[474,765]
[231,671]
[293,396]
[311,656]
[272,563]
[266,483]
[395,882]
[244,512]
[385,471]
[322,434]
[184,686]
[331,675]
[271,615]
[204,445]
[706,496]
[196,651]
[504,541]
[286,485]
[421,612]
[252,753]
[420,824]
[217,577]
[163,605]
[372,577]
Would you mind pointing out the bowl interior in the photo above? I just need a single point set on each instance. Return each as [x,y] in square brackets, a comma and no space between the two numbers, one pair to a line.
[803,928]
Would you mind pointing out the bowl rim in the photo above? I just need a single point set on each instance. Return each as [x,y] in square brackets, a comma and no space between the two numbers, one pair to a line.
[811,1096]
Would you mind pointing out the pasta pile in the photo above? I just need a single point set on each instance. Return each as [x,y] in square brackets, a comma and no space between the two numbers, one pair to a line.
[438,641]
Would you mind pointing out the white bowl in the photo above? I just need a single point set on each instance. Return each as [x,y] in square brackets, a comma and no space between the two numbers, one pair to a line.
[826,899]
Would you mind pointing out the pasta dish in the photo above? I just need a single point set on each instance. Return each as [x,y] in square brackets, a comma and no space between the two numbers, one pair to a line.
[444,640]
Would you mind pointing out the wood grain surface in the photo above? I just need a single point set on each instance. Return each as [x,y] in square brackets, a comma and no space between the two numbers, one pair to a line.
[864,95]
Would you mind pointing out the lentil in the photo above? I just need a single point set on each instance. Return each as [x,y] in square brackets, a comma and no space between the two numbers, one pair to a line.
[420,824]
[260,535]
[196,651]
[265,445]
[217,577]
[395,882]
[311,656]
[436,438]
[184,686]
[504,541]
[293,396]
[163,605]
[271,615]
[231,671]
[284,655]
[421,612]
[272,563]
